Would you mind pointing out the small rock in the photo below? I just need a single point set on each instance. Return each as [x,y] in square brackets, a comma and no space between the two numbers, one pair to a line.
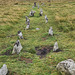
[37,29]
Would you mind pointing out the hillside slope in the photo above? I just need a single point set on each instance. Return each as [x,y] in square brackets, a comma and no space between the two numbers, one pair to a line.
[61,16]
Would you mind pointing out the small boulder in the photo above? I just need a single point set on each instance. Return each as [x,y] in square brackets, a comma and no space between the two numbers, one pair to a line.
[66,67]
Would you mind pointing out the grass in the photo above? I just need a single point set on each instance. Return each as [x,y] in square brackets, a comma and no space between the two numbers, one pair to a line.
[12,19]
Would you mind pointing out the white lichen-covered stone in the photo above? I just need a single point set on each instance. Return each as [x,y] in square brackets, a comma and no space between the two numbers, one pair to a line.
[51,31]
[55,48]
[46,18]
[17,47]
[20,34]
[4,70]
[66,67]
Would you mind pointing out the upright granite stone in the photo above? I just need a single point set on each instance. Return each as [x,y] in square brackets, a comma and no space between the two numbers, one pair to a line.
[32,13]
[66,67]
[4,70]
[27,20]
[46,18]
[28,25]
[41,12]
[55,48]
[20,35]
[50,31]
[17,47]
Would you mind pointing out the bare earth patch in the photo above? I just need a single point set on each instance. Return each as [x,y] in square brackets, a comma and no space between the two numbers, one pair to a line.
[44,50]
[27,60]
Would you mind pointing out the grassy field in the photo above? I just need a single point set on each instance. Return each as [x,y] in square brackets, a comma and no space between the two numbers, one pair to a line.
[12,19]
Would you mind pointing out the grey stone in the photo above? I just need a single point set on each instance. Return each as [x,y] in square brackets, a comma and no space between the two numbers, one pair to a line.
[55,46]
[37,29]
[38,6]
[46,18]
[17,47]
[27,20]
[66,67]
[31,13]
[20,35]
[50,31]
[41,12]
[34,4]
[27,27]
[4,70]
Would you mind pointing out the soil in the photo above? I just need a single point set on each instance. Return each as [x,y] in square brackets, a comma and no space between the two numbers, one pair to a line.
[27,60]
[44,50]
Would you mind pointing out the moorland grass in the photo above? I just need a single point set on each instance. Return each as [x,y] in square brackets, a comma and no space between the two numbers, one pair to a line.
[60,17]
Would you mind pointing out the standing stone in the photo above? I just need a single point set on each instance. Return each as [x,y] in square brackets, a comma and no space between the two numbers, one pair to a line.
[28,25]
[51,31]
[17,47]
[27,20]
[4,70]
[34,4]
[66,67]
[41,12]
[46,18]
[55,48]
[38,6]
[20,35]
[31,13]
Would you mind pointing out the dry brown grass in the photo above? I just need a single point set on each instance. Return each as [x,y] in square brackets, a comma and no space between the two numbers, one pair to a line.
[10,14]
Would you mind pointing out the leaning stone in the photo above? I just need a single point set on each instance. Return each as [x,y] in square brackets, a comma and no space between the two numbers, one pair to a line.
[17,47]
[4,70]
[66,67]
